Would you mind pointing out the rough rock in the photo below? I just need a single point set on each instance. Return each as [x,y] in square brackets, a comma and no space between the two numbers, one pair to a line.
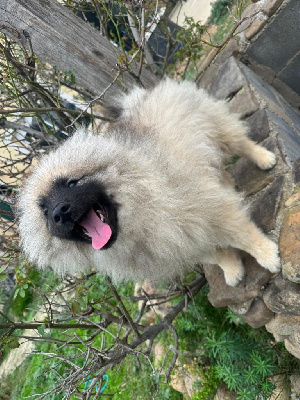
[274,123]
[296,172]
[293,346]
[228,81]
[249,14]
[281,391]
[265,207]
[224,394]
[231,49]
[208,77]
[258,126]
[294,200]
[258,315]
[283,296]
[283,326]
[295,386]
[184,378]
[270,6]
[222,295]
[289,242]
[255,27]
[288,137]
[276,106]
[248,178]
[243,103]
[251,11]
[241,308]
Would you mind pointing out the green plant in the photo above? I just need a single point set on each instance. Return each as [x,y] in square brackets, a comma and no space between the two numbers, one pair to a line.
[208,384]
[219,9]
[232,352]
[190,37]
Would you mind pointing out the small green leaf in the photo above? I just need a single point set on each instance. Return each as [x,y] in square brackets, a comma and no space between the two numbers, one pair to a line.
[41,330]
[13,344]
[75,307]
[2,269]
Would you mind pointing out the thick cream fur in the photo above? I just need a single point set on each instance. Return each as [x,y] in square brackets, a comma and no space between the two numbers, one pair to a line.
[162,163]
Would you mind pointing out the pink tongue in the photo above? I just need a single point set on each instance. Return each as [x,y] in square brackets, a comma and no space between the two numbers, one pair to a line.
[98,230]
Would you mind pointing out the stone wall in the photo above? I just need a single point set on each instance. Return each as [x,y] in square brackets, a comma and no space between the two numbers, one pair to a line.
[274,46]
[267,40]
[262,298]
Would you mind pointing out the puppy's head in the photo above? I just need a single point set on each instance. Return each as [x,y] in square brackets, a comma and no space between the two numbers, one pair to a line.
[100,201]
[67,204]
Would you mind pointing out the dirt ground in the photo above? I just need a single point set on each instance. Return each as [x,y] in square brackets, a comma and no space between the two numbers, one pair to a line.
[198,9]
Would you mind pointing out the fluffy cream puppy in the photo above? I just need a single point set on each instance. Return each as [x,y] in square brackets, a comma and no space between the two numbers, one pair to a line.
[149,198]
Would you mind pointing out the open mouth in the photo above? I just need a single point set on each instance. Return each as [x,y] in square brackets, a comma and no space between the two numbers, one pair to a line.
[95,227]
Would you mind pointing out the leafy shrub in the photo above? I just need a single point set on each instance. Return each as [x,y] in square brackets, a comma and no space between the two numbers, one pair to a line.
[232,352]
[208,384]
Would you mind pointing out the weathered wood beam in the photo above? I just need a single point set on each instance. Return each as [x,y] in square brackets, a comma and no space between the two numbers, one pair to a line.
[61,39]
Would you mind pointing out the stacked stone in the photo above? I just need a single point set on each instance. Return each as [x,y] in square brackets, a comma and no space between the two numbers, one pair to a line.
[274,200]
[256,16]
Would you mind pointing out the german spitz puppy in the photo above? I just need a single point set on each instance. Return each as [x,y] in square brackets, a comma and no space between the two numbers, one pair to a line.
[149,198]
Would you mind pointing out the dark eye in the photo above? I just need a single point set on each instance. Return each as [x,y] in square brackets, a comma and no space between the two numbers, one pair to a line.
[72,183]
[44,209]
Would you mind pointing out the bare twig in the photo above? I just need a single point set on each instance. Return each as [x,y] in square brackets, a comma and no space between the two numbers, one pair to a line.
[123,308]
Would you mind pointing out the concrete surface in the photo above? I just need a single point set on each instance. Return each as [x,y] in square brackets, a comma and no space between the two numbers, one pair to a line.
[198,9]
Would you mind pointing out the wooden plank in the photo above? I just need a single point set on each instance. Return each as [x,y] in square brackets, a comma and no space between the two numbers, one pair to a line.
[66,41]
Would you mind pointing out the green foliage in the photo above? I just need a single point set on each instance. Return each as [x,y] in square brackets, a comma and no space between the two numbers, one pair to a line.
[208,384]
[190,37]
[3,276]
[23,295]
[132,380]
[67,77]
[232,352]
[242,363]
[219,9]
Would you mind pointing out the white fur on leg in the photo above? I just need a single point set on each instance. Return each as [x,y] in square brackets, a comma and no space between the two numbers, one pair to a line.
[231,264]
[267,256]
[268,160]
[264,250]
[262,157]
[233,272]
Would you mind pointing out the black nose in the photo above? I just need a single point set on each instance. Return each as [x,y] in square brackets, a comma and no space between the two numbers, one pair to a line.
[62,213]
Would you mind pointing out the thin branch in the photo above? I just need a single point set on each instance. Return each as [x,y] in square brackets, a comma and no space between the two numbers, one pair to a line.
[140,38]
[51,325]
[37,134]
[45,109]
[123,308]
[94,100]
[219,47]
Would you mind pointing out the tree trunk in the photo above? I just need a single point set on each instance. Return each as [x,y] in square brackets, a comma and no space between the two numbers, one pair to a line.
[61,39]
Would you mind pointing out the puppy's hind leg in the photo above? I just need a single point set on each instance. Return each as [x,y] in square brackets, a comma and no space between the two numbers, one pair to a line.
[254,242]
[231,264]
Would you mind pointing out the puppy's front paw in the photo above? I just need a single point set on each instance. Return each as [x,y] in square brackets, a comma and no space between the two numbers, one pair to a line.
[269,257]
[266,159]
